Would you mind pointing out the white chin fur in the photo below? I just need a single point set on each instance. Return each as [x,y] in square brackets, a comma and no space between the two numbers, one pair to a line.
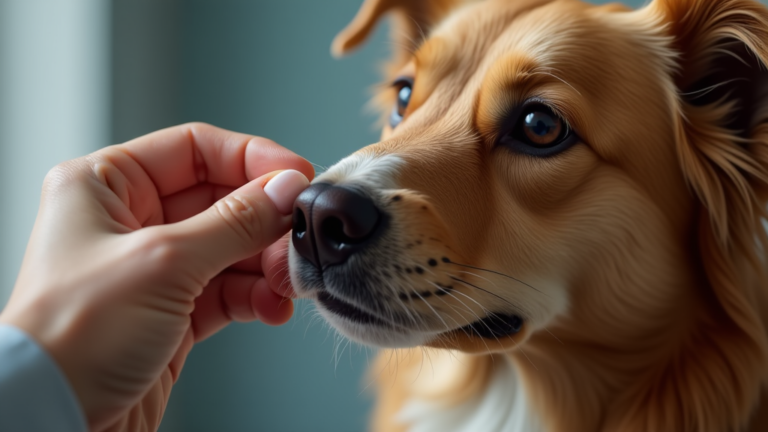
[372,335]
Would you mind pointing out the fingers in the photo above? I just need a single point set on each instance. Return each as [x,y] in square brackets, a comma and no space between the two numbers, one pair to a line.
[263,155]
[238,297]
[251,264]
[189,202]
[271,308]
[239,225]
[180,157]
[274,264]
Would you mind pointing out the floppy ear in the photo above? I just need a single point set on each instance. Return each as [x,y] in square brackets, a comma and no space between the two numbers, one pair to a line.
[722,87]
[721,91]
[722,124]
[413,19]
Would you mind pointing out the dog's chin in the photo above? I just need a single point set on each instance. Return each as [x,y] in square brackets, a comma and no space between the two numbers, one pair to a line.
[380,335]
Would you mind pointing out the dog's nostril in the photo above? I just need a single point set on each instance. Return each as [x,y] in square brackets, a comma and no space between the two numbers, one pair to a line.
[344,221]
[299,223]
[302,234]
[333,231]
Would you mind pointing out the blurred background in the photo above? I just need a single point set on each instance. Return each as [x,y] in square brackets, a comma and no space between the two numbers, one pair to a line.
[76,75]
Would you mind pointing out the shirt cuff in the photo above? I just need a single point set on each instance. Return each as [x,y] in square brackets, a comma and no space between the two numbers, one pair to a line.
[35,396]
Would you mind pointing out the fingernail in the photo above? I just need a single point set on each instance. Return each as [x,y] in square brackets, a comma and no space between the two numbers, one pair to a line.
[283,189]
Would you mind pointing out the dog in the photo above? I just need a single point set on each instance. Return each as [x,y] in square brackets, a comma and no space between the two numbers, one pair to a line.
[562,226]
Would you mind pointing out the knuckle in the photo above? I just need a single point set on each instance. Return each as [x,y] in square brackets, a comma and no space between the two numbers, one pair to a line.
[197,128]
[70,172]
[60,175]
[242,216]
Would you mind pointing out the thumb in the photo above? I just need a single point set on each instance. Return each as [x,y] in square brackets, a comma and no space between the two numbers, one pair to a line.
[242,223]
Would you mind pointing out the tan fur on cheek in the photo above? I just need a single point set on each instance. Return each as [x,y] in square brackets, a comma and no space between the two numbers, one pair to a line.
[455,188]
[540,185]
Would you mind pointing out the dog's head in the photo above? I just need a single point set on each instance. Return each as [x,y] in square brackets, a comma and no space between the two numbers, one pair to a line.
[545,163]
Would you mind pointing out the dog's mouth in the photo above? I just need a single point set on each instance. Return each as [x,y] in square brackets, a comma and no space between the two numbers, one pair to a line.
[349,311]
[494,326]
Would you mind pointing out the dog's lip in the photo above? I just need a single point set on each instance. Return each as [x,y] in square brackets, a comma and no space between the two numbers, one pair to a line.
[348,310]
[494,326]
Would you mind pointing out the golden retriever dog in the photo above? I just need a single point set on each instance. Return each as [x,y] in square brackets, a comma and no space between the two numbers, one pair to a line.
[562,226]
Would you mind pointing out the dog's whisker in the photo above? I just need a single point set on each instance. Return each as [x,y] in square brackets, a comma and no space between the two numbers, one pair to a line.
[349,344]
[479,277]
[488,348]
[483,290]
[486,311]
[397,365]
[405,307]
[322,167]
[467,308]
[553,335]
[447,328]
[460,327]
[281,250]
[526,355]
[395,294]
[495,272]
[315,317]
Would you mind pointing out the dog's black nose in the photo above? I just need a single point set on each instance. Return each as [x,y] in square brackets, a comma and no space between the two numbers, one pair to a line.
[330,223]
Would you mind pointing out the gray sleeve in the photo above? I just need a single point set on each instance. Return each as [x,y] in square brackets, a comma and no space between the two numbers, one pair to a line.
[35,396]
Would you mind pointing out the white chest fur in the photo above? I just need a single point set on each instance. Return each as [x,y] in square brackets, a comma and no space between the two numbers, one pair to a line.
[501,407]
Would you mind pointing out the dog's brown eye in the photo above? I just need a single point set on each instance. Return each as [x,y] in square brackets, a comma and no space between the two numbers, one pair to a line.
[404,88]
[403,97]
[542,128]
[536,130]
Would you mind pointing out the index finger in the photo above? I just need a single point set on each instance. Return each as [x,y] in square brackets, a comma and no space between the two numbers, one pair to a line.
[182,156]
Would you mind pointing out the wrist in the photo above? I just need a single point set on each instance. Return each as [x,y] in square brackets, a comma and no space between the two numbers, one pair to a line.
[39,318]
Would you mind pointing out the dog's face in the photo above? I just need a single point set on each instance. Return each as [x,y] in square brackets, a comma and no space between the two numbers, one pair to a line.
[528,159]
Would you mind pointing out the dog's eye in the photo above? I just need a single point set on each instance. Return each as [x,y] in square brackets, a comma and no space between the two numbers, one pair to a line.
[404,87]
[542,128]
[538,131]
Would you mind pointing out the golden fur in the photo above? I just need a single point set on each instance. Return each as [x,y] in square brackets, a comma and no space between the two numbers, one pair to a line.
[646,239]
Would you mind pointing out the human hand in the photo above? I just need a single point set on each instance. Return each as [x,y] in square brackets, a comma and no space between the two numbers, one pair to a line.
[141,249]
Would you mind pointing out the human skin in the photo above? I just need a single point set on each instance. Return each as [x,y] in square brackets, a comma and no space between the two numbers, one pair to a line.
[141,249]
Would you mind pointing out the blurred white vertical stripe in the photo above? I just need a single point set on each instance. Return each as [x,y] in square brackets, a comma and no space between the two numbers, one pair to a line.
[54,105]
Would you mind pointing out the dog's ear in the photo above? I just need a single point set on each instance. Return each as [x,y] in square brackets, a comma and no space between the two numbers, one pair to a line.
[722,89]
[412,21]
[721,94]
